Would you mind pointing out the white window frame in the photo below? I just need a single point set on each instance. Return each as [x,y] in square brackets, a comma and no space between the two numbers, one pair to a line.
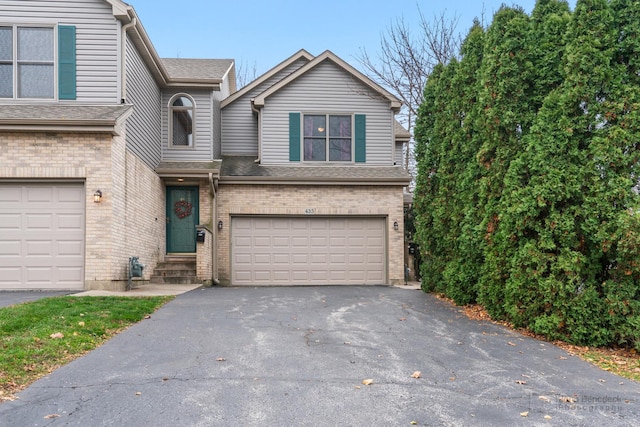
[327,138]
[15,62]
[171,109]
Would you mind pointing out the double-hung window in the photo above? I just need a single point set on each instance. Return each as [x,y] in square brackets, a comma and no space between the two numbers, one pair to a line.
[328,137]
[27,67]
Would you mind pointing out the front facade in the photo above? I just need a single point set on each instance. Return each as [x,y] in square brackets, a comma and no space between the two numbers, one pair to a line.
[108,151]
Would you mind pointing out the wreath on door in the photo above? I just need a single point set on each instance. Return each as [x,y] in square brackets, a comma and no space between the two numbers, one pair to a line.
[182,208]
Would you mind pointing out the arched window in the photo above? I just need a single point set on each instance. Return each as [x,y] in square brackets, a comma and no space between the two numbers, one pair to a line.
[181,118]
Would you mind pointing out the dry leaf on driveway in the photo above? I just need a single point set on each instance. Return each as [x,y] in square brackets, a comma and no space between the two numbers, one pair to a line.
[416,374]
[367,382]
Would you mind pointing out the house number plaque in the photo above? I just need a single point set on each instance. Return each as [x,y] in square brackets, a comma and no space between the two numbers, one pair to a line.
[310,211]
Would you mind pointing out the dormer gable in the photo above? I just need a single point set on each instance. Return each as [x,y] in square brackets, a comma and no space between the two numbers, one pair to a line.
[394,103]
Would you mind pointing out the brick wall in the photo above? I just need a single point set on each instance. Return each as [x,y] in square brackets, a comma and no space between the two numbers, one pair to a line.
[323,200]
[130,218]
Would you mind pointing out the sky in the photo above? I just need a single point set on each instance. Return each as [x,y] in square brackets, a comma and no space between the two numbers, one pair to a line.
[261,34]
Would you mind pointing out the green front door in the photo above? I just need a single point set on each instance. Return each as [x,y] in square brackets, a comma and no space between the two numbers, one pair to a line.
[182,218]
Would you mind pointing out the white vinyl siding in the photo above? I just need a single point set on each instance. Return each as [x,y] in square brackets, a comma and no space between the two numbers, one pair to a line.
[202,149]
[326,89]
[143,126]
[239,122]
[97,35]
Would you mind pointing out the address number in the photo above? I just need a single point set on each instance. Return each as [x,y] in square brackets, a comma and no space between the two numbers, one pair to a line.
[309,211]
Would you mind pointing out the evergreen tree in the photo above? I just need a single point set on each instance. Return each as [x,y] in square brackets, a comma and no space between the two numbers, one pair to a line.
[507,76]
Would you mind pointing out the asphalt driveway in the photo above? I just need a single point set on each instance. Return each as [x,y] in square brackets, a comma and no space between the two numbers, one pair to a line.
[298,357]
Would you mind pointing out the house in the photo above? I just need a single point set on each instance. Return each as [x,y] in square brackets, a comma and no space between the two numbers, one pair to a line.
[108,151]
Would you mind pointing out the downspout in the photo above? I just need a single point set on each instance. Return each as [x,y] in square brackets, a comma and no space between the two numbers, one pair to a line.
[123,59]
[213,185]
[257,111]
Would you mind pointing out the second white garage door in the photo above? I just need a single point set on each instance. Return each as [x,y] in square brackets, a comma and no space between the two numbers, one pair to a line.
[308,251]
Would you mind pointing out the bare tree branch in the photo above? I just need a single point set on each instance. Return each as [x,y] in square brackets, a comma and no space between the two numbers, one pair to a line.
[405,62]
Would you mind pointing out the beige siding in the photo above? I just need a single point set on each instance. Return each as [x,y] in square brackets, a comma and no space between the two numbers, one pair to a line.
[239,123]
[97,40]
[326,89]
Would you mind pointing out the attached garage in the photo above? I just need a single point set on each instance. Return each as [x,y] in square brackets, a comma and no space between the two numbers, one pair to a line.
[42,235]
[308,250]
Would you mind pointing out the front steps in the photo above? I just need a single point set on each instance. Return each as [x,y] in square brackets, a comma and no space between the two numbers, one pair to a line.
[176,270]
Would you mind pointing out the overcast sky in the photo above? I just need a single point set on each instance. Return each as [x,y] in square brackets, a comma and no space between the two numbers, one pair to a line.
[264,33]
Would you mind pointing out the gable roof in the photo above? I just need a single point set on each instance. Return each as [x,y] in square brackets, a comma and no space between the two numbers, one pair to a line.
[301,54]
[394,103]
[183,69]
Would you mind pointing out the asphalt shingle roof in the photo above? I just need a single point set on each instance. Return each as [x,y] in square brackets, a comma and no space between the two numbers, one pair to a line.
[244,166]
[197,69]
[19,113]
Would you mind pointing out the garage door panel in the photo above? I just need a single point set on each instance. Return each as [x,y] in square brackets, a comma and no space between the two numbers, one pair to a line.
[42,236]
[10,221]
[10,248]
[39,248]
[309,250]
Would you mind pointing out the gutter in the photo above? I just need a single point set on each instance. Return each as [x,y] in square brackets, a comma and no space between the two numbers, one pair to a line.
[257,111]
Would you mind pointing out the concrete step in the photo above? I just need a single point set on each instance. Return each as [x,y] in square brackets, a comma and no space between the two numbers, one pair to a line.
[176,270]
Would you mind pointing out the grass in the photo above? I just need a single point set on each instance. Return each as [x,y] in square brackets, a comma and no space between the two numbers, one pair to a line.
[40,336]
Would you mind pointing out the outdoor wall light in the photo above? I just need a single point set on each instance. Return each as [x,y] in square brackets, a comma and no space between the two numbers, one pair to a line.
[219,225]
[395,225]
[97,196]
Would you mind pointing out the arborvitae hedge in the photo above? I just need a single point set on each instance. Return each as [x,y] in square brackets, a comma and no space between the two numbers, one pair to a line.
[527,196]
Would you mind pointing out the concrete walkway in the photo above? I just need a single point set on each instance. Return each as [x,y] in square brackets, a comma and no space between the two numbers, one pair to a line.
[323,356]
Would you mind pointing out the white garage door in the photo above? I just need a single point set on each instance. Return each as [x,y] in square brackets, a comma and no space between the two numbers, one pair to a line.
[308,251]
[41,236]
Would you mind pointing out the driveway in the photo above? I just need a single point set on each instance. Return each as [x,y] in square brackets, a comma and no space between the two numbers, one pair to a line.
[298,357]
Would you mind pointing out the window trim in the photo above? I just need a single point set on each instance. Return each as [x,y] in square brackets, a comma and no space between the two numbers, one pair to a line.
[171,109]
[327,138]
[15,62]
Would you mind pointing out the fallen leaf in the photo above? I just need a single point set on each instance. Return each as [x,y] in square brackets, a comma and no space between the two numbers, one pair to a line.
[48,417]
[80,323]
[358,387]
[521,382]
[414,423]
[602,381]
[416,374]
[545,398]
[547,417]
[402,319]
[147,317]
[138,393]
[524,414]
[452,378]
[57,335]
[562,358]
[511,343]
[367,382]
[221,359]
[347,343]
[567,399]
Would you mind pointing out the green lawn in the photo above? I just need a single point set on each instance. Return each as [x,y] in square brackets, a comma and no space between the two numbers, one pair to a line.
[38,337]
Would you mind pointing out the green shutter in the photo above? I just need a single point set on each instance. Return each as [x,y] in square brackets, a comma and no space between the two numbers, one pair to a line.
[66,62]
[294,137]
[361,138]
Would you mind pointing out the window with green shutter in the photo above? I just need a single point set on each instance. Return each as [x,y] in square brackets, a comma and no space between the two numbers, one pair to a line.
[327,137]
[66,62]
[27,62]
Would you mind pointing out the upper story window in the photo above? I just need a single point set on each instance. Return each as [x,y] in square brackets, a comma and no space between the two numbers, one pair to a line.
[328,137]
[181,117]
[27,67]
